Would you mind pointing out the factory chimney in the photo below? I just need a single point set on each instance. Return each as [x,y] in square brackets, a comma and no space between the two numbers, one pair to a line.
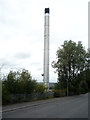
[46,47]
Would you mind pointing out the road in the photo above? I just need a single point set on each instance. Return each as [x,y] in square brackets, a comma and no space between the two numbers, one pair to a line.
[66,107]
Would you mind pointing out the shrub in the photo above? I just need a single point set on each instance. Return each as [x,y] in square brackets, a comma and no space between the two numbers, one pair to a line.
[60,93]
[41,88]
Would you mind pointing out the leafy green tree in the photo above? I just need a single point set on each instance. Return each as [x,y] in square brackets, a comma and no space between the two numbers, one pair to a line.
[70,62]
[26,84]
[17,82]
[10,82]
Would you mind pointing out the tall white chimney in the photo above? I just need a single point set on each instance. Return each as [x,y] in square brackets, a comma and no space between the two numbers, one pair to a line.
[46,47]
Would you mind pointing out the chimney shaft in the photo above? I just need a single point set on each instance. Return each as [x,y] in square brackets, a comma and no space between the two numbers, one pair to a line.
[46,48]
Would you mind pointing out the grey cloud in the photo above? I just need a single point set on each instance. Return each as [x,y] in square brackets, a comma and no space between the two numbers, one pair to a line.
[22,55]
[40,69]
[36,63]
[6,62]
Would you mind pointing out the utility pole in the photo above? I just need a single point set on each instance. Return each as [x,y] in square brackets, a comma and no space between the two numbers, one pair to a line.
[67,82]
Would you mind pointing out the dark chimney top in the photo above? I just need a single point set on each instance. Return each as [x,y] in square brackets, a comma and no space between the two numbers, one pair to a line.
[46,10]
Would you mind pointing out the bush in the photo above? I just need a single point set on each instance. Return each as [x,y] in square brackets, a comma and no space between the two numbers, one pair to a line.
[41,88]
[83,87]
[5,96]
[60,93]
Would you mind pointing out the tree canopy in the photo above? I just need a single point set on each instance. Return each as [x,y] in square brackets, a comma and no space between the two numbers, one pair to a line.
[17,82]
[71,60]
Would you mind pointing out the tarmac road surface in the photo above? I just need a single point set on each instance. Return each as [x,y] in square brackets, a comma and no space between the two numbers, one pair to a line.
[66,107]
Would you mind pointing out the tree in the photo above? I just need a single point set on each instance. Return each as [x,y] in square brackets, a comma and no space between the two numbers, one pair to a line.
[17,82]
[10,82]
[85,80]
[26,84]
[86,72]
[70,62]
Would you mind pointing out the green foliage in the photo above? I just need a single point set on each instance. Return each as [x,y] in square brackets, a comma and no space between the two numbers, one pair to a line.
[17,83]
[5,95]
[26,84]
[60,93]
[20,87]
[51,88]
[88,78]
[41,88]
[72,61]
[83,87]
[10,83]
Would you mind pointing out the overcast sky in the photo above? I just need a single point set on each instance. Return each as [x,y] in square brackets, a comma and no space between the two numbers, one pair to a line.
[22,32]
